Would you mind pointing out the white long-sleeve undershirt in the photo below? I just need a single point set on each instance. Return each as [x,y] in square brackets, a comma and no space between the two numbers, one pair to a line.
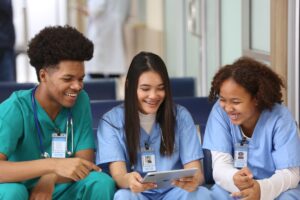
[282,180]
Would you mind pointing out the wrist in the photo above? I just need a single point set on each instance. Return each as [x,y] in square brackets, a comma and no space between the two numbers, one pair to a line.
[50,177]
[127,177]
[257,189]
[53,165]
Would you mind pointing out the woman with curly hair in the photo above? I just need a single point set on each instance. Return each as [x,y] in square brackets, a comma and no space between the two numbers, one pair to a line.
[47,144]
[253,138]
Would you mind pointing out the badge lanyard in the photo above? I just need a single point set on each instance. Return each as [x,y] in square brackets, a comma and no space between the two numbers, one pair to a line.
[241,154]
[148,157]
[57,138]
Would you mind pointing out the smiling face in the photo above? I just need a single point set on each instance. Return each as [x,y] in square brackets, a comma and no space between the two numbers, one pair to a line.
[238,104]
[150,92]
[62,84]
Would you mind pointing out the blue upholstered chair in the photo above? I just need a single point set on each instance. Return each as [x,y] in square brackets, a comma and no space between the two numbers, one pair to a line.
[6,88]
[102,89]
[183,87]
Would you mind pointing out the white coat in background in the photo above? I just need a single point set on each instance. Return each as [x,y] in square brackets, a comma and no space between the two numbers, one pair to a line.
[105,29]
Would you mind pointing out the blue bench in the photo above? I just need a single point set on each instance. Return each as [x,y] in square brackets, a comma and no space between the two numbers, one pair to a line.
[199,107]
[102,89]
[183,86]
[105,89]
[6,88]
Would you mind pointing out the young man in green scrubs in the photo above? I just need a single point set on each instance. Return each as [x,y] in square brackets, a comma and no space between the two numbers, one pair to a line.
[46,137]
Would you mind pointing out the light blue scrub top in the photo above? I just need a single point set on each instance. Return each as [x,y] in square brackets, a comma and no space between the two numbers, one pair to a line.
[18,135]
[112,141]
[274,145]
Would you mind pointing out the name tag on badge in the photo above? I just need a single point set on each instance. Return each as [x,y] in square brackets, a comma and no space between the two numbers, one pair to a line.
[59,145]
[148,160]
[240,155]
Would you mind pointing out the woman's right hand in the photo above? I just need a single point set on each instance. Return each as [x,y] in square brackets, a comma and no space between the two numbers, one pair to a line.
[135,183]
[73,168]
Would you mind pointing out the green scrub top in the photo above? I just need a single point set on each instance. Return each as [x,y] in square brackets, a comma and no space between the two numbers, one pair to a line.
[19,139]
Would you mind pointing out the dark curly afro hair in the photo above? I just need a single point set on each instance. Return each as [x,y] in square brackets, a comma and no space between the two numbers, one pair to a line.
[57,43]
[256,77]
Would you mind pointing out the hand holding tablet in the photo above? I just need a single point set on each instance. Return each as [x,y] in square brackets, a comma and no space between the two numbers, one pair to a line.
[164,178]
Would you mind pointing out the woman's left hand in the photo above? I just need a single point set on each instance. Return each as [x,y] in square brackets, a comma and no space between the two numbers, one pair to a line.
[189,184]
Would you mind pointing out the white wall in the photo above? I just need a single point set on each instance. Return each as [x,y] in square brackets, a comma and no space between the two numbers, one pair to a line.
[231,31]
[30,16]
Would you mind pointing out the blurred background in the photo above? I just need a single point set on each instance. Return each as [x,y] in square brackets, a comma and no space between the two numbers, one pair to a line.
[194,37]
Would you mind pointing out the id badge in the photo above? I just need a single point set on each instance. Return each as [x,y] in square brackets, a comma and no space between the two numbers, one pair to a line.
[240,155]
[148,160]
[59,145]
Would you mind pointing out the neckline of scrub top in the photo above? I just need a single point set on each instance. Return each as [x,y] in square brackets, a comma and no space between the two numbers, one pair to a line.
[48,123]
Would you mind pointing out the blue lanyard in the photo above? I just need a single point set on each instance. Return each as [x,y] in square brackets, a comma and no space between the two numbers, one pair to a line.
[44,154]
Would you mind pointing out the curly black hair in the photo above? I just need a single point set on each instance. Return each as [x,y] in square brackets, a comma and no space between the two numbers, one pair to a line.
[256,77]
[57,43]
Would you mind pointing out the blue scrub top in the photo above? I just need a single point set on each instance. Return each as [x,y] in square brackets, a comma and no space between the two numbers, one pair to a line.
[112,141]
[18,135]
[274,145]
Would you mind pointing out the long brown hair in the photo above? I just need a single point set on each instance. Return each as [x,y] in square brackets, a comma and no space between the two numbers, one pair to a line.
[143,62]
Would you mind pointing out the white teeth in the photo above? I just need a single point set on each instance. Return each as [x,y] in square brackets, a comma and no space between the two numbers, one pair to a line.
[234,116]
[151,102]
[71,94]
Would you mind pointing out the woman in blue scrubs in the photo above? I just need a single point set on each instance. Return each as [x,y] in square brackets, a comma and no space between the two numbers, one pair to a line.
[46,138]
[149,133]
[253,138]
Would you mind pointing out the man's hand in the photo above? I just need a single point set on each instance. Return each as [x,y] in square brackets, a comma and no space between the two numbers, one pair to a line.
[44,188]
[74,168]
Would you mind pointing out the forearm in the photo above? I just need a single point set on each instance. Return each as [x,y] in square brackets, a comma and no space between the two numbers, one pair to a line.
[122,180]
[21,171]
[280,182]
[199,174]
[223,171]
[87,154]
[119,173]
[52,177]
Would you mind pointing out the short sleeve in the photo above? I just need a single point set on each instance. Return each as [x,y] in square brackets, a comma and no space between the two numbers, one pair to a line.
[11,126]
[217,135]
[286,149]
[189,143]
[111,142]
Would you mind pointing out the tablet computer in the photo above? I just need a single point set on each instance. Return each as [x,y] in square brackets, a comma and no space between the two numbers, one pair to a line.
[164,178]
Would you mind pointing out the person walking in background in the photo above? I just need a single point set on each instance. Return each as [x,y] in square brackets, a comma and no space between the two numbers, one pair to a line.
[150,133]
[46,137]
[106,20]
[253,138]
[7,42]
